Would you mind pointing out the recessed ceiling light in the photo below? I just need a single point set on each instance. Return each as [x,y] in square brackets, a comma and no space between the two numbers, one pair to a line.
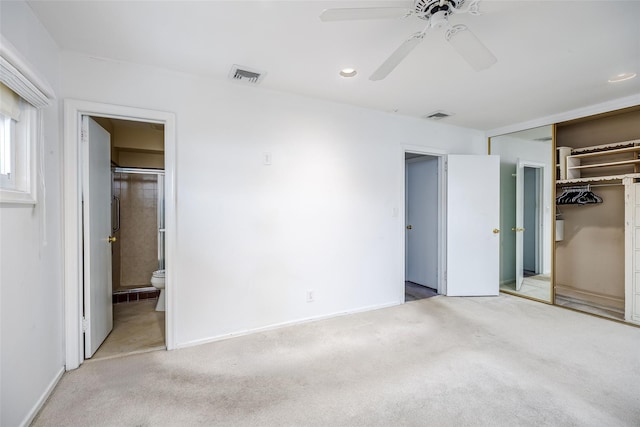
[621,77]
[348,72]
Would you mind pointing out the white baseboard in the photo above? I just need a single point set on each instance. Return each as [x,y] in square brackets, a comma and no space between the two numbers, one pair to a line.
[43,398]
[282,325]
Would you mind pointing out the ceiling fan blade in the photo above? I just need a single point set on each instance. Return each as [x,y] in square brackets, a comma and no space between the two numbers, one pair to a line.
[396,57]
[470,47]
[363,13]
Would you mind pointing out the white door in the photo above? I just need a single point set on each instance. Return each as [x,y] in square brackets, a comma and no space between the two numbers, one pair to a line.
[422,221]
[96,194]
[473,219]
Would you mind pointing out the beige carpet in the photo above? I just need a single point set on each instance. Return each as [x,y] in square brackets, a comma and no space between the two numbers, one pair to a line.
[494,361]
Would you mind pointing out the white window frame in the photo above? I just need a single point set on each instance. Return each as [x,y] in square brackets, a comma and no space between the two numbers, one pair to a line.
[7,152]
[19,76]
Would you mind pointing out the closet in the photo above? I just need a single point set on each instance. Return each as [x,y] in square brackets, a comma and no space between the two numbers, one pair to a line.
[597,248]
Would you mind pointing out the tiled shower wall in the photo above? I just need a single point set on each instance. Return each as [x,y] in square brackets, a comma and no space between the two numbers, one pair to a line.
[135,258]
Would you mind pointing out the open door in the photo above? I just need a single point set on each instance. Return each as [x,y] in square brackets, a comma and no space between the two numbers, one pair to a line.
[96,191]
[422,207]
[473,218]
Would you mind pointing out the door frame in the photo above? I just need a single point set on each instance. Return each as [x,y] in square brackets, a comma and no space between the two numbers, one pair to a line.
[441,157]
[72,221]
[541,171]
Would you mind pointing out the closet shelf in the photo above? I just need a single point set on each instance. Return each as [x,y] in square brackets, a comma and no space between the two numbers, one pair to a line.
[574,160]
[602,165]
[635,148]
[606,147]
[597,179]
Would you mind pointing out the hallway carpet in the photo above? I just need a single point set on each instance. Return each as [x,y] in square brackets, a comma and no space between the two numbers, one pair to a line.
[492,361]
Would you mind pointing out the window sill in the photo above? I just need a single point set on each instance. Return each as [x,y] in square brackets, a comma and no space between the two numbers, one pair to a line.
[16,197]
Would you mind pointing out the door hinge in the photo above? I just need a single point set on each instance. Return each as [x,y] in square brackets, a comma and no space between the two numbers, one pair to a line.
[446,166]
[84,324]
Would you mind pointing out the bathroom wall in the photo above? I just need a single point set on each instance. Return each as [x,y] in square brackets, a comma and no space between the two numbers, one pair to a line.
[137,144]
[135,254]
[138,234]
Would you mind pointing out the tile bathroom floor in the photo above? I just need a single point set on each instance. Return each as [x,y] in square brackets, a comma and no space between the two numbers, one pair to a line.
[137,328]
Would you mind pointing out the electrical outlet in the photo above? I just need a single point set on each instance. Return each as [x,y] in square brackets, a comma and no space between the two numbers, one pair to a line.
[311,296]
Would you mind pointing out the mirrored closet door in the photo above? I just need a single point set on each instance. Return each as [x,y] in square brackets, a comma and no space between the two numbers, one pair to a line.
[526,207]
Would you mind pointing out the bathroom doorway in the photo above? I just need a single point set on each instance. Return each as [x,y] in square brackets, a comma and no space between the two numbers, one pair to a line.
[137,235]
[77,322]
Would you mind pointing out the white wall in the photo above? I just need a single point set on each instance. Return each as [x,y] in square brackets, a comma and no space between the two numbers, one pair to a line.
[31,314]
[252,239]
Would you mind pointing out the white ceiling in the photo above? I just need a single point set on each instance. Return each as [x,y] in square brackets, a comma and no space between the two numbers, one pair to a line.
[553,56]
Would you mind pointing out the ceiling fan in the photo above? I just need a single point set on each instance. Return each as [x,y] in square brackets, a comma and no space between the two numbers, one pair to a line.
[436,13]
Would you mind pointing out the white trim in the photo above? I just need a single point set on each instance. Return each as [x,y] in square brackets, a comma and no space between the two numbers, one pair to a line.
[19,76]
[442,211]
[43,398]
[73,110]
[22,78]
[604,107]
[286,324]
[26,150]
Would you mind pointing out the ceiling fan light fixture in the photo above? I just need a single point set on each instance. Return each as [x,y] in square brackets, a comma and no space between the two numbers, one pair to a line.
[348,72]
[439,19]
[436,13]
[621,77]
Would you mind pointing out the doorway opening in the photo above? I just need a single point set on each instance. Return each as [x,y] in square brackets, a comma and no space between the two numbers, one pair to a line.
[83,317]
[531,278]
[532,221]
[137,230]
[423,230]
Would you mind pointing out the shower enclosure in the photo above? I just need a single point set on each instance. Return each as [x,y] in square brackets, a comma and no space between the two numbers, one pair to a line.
[138,225]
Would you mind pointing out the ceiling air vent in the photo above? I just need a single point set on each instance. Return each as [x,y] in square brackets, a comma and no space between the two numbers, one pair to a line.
[246,74]
[438,115]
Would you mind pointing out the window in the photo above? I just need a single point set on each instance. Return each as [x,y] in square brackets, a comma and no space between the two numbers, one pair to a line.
[9,116]
[22,95]
[18,121]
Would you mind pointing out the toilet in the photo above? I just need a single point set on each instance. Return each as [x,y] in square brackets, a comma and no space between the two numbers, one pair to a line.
[157,280]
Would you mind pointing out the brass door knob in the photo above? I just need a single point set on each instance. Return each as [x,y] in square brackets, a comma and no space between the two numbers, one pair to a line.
[409,227]
[496,231]
[112,239]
